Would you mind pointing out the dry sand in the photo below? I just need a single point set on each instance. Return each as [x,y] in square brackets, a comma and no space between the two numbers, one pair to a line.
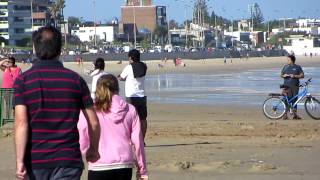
[187,142]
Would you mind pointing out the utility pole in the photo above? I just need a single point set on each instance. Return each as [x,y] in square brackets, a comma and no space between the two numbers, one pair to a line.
[186,26]
[216,29]
[65,31]
[168,22]
[250,7]
[31,10]
[135,27]
[203,35]
[94,21]
[232,33]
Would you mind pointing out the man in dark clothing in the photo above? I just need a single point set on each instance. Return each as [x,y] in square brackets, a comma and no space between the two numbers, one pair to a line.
[291,73]
[47,100]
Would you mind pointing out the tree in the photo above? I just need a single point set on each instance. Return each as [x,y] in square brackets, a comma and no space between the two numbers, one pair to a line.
[200,12]
[160,32]
[173,24]
[256,15]
[74,21]
[221,21]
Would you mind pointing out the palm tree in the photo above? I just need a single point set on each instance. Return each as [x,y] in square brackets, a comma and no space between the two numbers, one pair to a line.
[161,32]
[56,10]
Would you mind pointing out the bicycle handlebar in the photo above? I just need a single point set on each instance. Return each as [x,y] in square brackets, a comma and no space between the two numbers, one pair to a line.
[306,83]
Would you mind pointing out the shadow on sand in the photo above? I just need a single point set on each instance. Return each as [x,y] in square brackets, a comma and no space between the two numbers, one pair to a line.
[183,144]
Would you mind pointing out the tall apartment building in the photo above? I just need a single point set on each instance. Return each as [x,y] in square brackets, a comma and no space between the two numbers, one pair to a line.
[143,14]
[139,2]
[4,24]
[16,19]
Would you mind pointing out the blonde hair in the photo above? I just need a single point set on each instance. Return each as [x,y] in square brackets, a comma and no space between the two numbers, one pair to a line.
[107,86]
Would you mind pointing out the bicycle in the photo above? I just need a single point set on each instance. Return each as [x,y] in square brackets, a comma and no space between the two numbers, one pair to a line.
[277,105]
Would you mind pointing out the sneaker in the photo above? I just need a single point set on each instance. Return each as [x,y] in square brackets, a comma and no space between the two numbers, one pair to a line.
[297,117]
[285,117]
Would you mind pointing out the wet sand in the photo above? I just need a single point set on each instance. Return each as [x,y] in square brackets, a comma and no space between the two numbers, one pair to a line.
[218,142]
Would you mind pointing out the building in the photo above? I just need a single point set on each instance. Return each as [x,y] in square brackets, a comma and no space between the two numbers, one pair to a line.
[4,23]
[308,30]
[104,33]
[301,45]
[303,23]
[143,15]
[138,2]
[16,19]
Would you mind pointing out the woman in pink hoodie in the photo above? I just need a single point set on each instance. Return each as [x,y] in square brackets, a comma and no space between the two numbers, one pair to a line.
[121,143]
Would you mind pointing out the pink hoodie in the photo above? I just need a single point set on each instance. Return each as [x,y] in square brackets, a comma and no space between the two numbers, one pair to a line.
[121,143]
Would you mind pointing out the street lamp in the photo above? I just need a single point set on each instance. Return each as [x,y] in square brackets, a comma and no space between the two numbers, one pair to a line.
[134,27]
[168,23]
[94,22]
[31,5]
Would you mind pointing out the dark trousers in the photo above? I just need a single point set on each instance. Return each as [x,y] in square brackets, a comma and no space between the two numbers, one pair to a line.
[115,174]
[140,103]
[292,92]
[59,173]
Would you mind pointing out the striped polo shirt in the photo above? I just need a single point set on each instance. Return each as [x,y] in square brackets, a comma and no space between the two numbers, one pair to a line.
[54,97]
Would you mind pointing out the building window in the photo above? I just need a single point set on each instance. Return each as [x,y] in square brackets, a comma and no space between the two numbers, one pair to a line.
[4,30]
[3,7]
[18,19]
[21,8]
[3,18]
[19,31]
[316,42]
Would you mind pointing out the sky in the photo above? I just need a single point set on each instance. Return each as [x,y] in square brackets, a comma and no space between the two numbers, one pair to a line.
[106,10]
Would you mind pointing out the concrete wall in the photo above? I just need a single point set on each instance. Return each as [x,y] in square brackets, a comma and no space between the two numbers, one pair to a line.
[183,55]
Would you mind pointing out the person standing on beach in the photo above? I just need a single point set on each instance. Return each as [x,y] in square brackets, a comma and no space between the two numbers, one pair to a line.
[291,73]
[134,75]
[10,72]
[47,100]
[121,142]
[98,71]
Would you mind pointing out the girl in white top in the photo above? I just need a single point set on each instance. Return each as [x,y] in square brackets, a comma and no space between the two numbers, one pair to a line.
[99,66]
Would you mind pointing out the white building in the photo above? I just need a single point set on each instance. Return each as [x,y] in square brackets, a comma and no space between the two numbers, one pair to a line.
[301,45]
[303,23]
[103,33]
[309,26]
[308,30]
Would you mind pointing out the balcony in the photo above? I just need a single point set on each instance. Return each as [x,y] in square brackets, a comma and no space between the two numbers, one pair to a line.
[40,15]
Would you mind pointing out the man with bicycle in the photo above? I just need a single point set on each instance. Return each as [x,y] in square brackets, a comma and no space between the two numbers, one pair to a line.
[291,73]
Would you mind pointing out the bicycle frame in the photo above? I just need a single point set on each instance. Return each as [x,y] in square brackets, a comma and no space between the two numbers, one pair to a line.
[300,96]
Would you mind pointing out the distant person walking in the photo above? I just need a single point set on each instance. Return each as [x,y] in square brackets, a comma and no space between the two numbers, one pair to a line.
[48,99]
[98,71]
[10,72]
[291,73]
[120,131]
[134,75]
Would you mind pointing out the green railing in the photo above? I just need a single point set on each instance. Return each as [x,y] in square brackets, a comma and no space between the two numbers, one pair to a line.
[6,108]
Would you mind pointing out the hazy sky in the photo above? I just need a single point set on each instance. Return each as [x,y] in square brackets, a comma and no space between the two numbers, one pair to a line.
[272,9]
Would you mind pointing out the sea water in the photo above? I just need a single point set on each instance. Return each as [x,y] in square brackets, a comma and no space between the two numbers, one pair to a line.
[243,88]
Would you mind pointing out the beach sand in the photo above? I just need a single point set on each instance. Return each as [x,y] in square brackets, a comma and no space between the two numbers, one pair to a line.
[217,142]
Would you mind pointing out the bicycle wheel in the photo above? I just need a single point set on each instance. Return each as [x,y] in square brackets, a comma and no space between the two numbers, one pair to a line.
[312,106]
[274,108]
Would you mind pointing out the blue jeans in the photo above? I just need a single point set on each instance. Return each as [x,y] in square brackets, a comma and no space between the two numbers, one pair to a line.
[59,173]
